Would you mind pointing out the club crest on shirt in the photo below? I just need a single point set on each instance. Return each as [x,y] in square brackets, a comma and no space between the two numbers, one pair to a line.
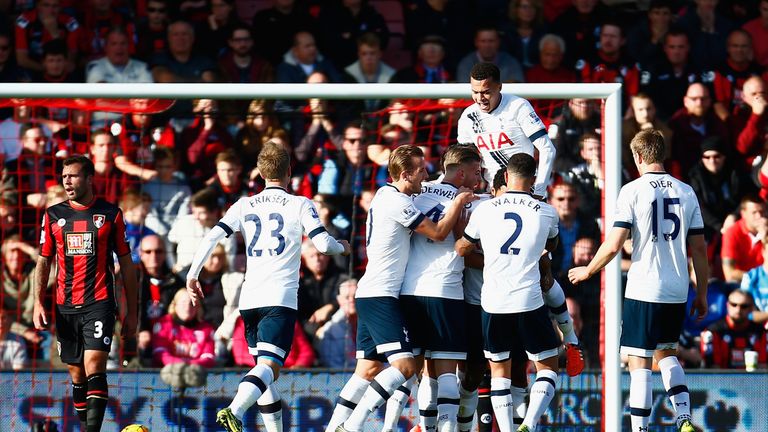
[98,220]
[409,212]
[79,243]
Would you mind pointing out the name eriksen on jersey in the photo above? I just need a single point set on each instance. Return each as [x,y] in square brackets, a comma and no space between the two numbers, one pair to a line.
[517,201]
[263,199]
[450,194]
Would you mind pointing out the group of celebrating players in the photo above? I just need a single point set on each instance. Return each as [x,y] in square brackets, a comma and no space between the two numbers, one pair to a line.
[457,282]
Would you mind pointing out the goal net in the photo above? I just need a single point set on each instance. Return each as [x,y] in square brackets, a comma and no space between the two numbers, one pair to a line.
[156,146]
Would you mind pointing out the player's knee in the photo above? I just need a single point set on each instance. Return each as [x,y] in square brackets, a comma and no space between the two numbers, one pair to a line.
[368,369]
[407,366]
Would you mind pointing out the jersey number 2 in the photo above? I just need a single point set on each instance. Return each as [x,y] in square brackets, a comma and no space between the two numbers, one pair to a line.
[506,248]
[669,214]
[276,233]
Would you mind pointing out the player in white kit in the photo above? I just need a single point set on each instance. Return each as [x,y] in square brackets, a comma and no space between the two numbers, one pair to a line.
[382,334]
[662,216]
[273,223]
[515,229]
[501,125]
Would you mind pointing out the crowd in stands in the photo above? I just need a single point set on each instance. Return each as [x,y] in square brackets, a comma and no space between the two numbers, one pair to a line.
[695,70]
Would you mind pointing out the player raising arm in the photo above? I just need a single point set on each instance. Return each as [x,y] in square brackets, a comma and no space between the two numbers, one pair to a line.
[273,223]
[662,215]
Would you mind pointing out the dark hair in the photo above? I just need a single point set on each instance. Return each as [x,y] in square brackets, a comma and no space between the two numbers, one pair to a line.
[86,166]
[163,153]
[206,198]
[521,165]
[484,71]
[26,127]
[499,180]
[239,26]
[751,198]
[676,30]
[55,47]
[369,39]
[118,29]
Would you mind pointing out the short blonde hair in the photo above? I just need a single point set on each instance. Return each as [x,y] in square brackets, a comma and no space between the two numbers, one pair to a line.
[460,154]
[649,144]
[401,160]
[274,161]
[176,297]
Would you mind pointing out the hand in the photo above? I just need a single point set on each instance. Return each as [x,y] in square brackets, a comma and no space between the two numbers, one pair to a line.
[466,196]
[578,274]
[322,315]
[195,291]
[32,336]
[699,308]
[38,317]
[347,248]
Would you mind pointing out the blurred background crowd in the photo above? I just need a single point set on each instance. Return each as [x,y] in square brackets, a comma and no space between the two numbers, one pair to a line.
[695,70]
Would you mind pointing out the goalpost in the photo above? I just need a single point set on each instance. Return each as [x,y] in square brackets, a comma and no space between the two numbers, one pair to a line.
[611,137]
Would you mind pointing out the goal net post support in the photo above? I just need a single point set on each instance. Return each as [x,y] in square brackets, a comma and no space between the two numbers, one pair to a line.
[611,137]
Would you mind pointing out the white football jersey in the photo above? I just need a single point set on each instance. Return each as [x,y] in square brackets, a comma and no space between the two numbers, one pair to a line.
[509,129]
[513,229]
[661,213]
[434,268]
[391,219]
[473,278]
[273,223]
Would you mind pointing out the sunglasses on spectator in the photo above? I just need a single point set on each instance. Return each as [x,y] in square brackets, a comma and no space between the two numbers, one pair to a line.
[740,305]
[569,199]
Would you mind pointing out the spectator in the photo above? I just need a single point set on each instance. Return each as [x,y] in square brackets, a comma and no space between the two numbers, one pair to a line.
[239,64]
[169,190]
[691,124]
[13,350]
[573,225]
[588,176]
[755,282]
[487,42]
[719,184]
[335,340]
[54,63]
[17,278]
[708,30]
[157,286]
[579,117]
[108,181]
[303,59]
[742,247]
[9,217]
[749,122]
[322,131]
[666,79]
[369,68]
[645,39]
[228,182]
[343,22]
[27,175]
[189,230]
[523,31]
[216,30]
[580,26]
[609,64]
[117,66]
[758,29]
[99,18]
[550,66]
[45,23]
[182,336]
[317,288]
[730,75]
[301,354]
[724,343]
[136,206]
[429,66]
[333,211]
[137,139]
[180,63]
[351,171]
[9,70]
[261,125]
[153,31]
[588,297]
[275,28]
[644,117]
[447,20]
[201,141]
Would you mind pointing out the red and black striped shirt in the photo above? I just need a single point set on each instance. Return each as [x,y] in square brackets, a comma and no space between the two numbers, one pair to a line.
[83,240]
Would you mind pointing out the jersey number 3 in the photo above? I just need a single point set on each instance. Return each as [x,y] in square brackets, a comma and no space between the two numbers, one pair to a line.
[276,233]
[669,214]
[507,248]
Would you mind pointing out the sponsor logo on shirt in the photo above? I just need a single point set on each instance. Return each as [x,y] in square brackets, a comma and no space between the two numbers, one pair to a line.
[79,243]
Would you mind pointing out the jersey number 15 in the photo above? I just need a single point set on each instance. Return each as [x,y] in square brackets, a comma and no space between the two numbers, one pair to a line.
[668,209]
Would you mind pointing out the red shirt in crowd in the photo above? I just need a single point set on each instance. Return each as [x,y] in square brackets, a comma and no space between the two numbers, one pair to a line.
[741,247]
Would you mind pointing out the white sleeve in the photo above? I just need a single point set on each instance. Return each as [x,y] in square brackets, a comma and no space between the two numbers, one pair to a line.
[472,230]
[316,232]
[406,214]
[623,217]
[546,161]
[696,223]
[464,134]
[554,229]
[204,249]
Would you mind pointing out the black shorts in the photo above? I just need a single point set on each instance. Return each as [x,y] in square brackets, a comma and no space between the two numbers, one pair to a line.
[86,330]
[381,331]
[474,319]
[437,325]
[647,327]
[512,336]
[269,331]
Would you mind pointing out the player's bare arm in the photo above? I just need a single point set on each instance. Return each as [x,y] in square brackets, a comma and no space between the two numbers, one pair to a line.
[698,250]
[130,285]
[604,255]
[439,231]
[42,271]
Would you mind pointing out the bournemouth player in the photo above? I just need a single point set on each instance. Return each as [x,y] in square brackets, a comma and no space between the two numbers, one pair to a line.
[663,217]
[381,331]
[273,223]
[501,125]
[515,229]
[82,234]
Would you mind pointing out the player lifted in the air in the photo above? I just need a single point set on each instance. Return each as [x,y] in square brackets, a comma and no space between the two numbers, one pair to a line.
[662,214]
